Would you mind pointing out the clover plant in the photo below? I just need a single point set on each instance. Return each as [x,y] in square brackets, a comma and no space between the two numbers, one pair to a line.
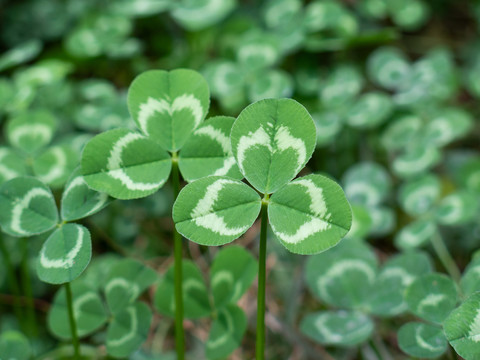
[272,141]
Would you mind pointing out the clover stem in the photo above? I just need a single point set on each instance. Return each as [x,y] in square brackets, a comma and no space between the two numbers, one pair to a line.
[27,289]
[12,281]
[178,276]
[73,324]
[260,348]
[445,257]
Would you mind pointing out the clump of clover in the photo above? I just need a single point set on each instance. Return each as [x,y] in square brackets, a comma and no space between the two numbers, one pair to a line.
[271,140]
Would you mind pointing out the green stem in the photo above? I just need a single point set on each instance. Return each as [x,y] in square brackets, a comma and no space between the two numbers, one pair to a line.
[445,257]
[27,289]
[73,324]
[262,256]
[178,276]
[12,281]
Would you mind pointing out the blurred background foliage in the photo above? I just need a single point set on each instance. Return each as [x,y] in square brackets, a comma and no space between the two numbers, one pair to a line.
[393,86]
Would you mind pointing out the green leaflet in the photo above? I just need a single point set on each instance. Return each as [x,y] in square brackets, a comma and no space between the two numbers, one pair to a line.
[367,183]
[431,297]
[448,125]
[195,295]
[215,210]
[124,164]
[197,15]
[387,296]
[344,276]
[419,196]
[470,282]
[27,207]
[11,165]
[389,68]
[231,274]
[415,234]
[65,254]
[257,50]
[339,328]
[126,281]
[55,165]
[128,330]
[328,124]
[310,214]
[462,328]
[400,132]
[272,140]
[207,151]
[342,85]
[226,332]
[31,131]
[422,340]
[457,208]
[14,345]
[78,200]
[271,84]
[169,106]
[88,309]
[99,269]
[370,110]
[416,160]
[20,54]
[361,222]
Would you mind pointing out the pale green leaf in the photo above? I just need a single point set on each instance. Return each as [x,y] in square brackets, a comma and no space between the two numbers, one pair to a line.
[169,106]
[30,131]
[416,160]
[55,165]
[344,276]
[310,214]
[272,84]
[415,234]
[361,222]
[431,297]
[14,345]
[124,164]
[272,140]
[215,210]
[462,328]
[418,196]
[195,295]
[11,165]
[78,200]
[448,125]
[27,207]
[126,281]
[400,132]
[21,53]
[88,310]
[370,110]
[65,254]
[128,330]
[233,271]
[343,84]
[458,208]
[328,125]
[257,50]
[422,340]
[197,15]
[389,68]
[226,332]
[339,328]
[208,152]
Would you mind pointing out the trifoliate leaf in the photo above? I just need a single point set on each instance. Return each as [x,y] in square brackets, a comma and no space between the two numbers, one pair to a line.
[231,274]
[78,200]
[125,282]
[27,207]
[169,106]
[195,296]
[128,330]
[272,140]
[88,310]
[226,332]
[431,297]
[343,276]
[125,164]
[422,340]
[65,254]
[208,152]
[310,214]
[31,131]
[55,165]
[462,328]
[339,328]
[215,210]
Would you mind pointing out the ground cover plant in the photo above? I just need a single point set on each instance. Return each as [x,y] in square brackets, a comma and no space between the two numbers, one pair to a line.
[284,179]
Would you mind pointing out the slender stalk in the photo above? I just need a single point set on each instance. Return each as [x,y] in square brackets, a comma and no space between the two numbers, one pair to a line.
[27,289]
[445,257]
[12,281]
[178,276]
[262,256]
[73,324]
